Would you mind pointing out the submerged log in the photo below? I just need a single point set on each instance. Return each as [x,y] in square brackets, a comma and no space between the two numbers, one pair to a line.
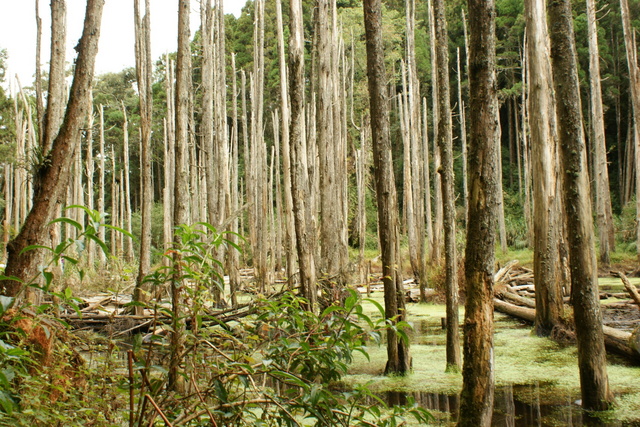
[616,341]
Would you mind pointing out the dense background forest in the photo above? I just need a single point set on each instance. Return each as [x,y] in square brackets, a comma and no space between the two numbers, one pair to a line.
[258,159]
[116,95]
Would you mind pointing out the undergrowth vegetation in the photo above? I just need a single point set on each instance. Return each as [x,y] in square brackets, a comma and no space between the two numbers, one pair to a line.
[279,366]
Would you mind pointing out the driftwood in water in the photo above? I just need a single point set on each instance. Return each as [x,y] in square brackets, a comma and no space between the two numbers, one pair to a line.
[616,341]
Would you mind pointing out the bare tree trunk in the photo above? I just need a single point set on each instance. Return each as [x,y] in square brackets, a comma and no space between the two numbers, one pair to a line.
[126,187]
[233,261]
[181,192]
[427,189]
[90,173]
[289,237]
[547,225]
[476,406]
[463,141]
[436,247]
[634,85]
[592,361]
[169,155]
[399,361]
[259,153]
[445,145]
[300,182]
[56,98]
[144,70]
[329,144]
[207,123]
[55,172]
[101,184]
[38,77]
[601,177]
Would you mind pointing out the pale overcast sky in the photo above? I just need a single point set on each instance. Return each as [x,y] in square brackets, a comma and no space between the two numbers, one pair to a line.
[18,32]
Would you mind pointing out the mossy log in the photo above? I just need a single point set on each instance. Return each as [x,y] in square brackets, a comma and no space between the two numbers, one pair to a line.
[620,342]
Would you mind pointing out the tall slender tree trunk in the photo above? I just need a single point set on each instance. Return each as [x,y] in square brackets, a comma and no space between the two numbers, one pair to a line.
[54,174]
[398,358]
[634,85]
[601,178]
[289,236]
[144,70]
[90,173]
[445,144]
[169,155]
[592,360]
[101,185]
[476,406]
[438,217]
[546,221]
[126,186]
[181,192]
[300,181]
[463,140]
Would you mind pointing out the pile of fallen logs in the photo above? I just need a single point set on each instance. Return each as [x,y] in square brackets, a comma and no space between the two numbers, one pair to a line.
[515,295]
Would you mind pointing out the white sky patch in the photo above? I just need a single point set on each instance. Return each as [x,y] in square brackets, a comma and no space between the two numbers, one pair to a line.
[116,48]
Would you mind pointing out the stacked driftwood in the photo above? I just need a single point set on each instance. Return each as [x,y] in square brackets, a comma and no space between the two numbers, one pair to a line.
[515,296]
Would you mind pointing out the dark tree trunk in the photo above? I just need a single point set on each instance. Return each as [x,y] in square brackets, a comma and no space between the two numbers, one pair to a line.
[54,173]
[397,350]
[592,360]
[478,370]
[446,172]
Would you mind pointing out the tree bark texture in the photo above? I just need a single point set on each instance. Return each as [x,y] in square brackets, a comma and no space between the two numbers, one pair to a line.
[476,407]
[54,173]
[604,214]
[542,123]
[181,192]
[300,182]
[592,360]
[397,350]
[144,70]
[445,145]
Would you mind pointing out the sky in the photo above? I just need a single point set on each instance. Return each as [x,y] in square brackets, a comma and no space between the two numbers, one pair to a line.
[116,48]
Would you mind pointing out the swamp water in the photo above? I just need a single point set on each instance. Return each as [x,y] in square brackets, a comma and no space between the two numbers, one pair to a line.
[537,380]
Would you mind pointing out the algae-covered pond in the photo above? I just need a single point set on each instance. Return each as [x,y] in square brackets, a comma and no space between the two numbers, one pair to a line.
[537,382]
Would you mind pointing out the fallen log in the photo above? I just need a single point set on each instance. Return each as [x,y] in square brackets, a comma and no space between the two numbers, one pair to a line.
[514,298]
[628,286]
[615,341]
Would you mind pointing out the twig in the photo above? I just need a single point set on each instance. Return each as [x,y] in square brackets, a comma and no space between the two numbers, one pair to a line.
[132,407]
[158,410]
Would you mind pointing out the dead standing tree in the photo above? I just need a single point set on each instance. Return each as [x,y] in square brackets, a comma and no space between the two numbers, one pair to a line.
[143,76]
[546,219]
[300,182]
[445,144]
[53,174]
[397,349]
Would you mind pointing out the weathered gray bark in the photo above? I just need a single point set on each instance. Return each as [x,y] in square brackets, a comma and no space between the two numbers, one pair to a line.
[56,97]
[634,85]
[592,360]
[181,192]
[445,144]
[289,237]
[604,214]
[144,70]
[476,407]
[438,224]
[546,219]
[53,174]
[300,182]
[399,361]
